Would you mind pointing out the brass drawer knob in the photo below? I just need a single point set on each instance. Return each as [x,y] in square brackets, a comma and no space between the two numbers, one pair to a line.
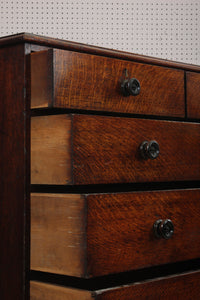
[149,149]
[163,229]
[130,87]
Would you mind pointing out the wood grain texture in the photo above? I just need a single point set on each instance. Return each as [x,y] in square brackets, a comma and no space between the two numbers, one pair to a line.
[89,82]
[44,291]
[106,150]
[58,233]
[51,149]
[193,95]
[14,160]
[111,233]
[178,287]
[41,78]
[120,230]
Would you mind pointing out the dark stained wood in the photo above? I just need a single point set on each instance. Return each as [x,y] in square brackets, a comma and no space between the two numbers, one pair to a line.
[120,230]
[106,150]
[15,91]
[78,47]
[14,161]
[75,73]
[180,287]
[183,286]
[193,95]
[113,232]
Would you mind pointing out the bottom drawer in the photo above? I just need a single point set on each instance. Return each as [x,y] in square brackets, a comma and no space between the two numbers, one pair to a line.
[186,286]
[99,234]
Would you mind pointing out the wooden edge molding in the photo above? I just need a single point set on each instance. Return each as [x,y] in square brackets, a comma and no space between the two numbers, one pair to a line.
[79,47]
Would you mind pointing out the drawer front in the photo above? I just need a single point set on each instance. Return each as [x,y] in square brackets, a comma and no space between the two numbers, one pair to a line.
[186,286]
[120,230]
[100,234]
[82,81]
[107,150]
[193,95]
[178,287]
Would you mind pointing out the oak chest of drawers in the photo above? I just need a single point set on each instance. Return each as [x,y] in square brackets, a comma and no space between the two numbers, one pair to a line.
[100,194]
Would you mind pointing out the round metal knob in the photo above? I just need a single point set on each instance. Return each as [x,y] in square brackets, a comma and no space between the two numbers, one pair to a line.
[163,229]
[130,87]
[149,149]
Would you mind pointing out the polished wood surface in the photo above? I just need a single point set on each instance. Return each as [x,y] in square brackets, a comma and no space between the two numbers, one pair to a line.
[110,233]
[45,291]
[14,132]
[58,233]
[51,150]
[193,95]
[88,162]
[106,150]
[183,286]
[120,230]
[179,287]
[75,73]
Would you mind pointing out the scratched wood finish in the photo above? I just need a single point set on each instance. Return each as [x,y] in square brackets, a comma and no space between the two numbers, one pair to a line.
[45,291]
[113,232]
[58,238]
[82,81]
[184,286]
[51,149]
[14,155]
[106,150]
[193,95]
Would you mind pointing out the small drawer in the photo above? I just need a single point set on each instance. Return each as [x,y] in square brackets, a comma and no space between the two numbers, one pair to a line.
[81,149]
[193,94]
[66,79]
[185,286]
[99,234]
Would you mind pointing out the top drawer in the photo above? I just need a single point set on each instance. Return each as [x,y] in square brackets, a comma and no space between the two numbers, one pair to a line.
[66,79]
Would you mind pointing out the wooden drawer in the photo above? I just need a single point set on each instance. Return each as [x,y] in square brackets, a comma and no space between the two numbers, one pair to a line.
[185,286]
[81,149]
[66,79]
[99,234]
[193,95]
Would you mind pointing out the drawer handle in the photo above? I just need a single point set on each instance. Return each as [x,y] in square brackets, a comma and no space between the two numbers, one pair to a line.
[130,87]
[163,229]
[149,149]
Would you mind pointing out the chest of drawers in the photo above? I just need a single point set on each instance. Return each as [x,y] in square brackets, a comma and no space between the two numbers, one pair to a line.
[100,159]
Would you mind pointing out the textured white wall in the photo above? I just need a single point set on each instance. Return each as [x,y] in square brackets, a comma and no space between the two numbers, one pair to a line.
[167,29]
